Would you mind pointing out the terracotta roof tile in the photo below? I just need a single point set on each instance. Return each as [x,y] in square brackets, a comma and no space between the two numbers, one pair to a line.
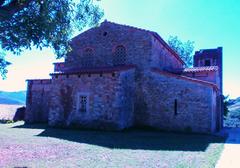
[156,70]
[95,70]
[201,69]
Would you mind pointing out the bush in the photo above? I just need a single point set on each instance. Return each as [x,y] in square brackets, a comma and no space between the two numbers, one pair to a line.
[225,105]
[188,129]
[4,121]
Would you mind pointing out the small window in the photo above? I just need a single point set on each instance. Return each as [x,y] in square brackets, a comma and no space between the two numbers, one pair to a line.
[83,103]
[175,107]
[119,57]
[207,62]
[105,34]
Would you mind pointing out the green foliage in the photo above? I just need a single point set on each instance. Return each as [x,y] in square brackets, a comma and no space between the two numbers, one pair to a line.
[184,49]
[3,121]
[188,129]
[47,23]
[3,65]
[10,121]
[225,106]
[43,23]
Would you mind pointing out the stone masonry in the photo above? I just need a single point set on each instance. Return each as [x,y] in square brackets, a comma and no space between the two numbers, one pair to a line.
[118,76]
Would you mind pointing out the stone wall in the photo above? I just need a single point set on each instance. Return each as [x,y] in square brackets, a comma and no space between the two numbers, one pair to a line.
[110,100]
[209,76]
[37,103]
[103,40]
[112,69]
[162,58]
[174,103]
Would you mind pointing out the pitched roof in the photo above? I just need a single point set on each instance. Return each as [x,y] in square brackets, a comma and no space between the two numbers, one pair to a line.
[201,69]
[156,70]
[154,34]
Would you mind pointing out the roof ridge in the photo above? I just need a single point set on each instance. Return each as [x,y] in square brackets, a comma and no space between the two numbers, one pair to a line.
[95,70]
[153,33]
[215,66]
[202,68]
[133,27]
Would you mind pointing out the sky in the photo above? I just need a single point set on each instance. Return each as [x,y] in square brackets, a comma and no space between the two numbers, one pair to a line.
[210,24]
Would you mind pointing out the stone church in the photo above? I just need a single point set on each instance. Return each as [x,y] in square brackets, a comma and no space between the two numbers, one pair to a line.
[119,76]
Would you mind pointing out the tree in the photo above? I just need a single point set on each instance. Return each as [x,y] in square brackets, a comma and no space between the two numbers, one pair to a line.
[3,65]
[225,105]
[43,23]
[184,49]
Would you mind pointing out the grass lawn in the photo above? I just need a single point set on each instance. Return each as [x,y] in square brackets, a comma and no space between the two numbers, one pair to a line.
[38,146]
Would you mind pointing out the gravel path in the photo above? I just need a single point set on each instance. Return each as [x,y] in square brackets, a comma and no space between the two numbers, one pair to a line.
[230,155]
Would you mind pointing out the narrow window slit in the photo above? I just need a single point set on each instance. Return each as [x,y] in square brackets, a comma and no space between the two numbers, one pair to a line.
[105,33]
[175,107]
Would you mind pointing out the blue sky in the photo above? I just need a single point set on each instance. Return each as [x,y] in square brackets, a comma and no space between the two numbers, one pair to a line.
[209,24]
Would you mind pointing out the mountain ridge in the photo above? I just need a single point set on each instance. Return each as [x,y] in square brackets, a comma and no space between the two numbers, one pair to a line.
[18,97]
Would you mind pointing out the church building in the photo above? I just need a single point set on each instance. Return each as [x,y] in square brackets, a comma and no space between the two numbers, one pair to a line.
[119,76]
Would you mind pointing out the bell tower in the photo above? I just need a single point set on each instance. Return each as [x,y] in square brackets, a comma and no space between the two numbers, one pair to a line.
[210,57]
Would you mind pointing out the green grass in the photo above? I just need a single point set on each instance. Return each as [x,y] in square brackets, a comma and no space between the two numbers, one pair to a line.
[4,121]
[40,146]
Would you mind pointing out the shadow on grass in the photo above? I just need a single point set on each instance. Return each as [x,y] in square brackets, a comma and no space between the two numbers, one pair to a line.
[136,139]
[131,139]
[32,126]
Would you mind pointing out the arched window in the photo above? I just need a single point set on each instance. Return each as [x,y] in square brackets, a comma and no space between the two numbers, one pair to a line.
[87,60]
[119,57]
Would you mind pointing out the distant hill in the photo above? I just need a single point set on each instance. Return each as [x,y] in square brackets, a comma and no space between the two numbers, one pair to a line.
[234,108]
[234,102]
[233,118]
[13,97]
